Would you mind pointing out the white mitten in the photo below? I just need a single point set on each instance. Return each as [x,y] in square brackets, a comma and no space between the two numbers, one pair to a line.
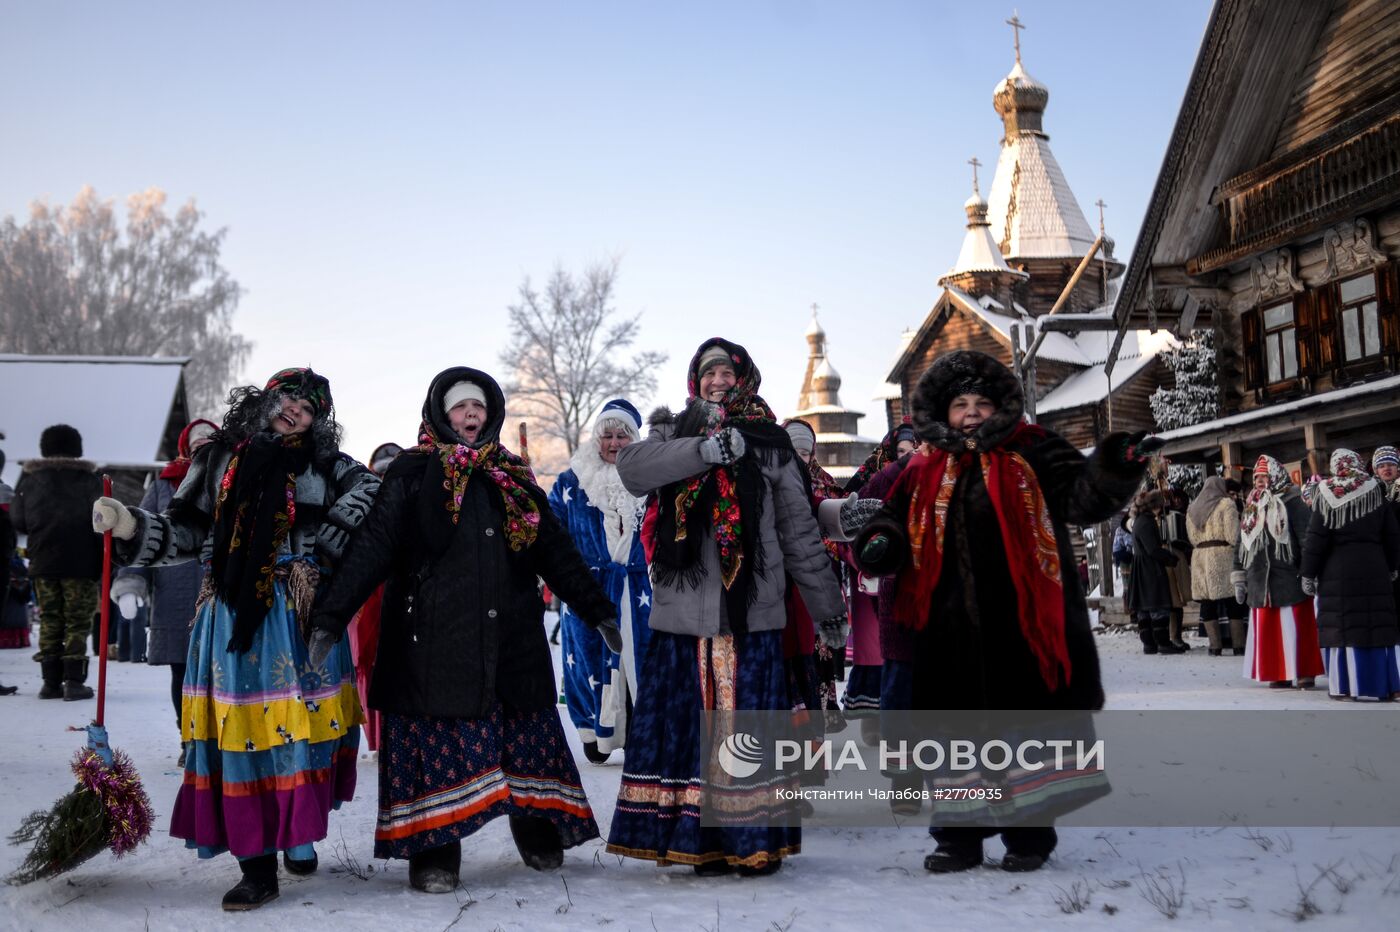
[127,604]
[108,514]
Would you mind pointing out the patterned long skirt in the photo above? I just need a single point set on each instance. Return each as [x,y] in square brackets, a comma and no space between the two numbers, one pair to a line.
[273,742]
[1373,672]
[867,665]
[1282,644]
[441,779]
[664,789]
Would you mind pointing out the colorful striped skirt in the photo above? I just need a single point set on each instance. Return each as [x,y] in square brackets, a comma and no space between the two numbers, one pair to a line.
[1282,644]
[272,742]
[1372,672]
[441,779]
[664,789]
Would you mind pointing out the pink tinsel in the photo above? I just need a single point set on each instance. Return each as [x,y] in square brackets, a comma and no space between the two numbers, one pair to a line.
[119,787]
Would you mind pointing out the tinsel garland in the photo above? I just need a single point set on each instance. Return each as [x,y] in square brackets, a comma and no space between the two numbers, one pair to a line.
[107,809]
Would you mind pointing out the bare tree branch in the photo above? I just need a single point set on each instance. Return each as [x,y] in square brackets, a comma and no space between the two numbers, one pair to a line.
[568,351]
[73,281]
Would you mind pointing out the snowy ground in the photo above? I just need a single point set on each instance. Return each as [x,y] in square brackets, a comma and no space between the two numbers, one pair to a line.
[1121,878]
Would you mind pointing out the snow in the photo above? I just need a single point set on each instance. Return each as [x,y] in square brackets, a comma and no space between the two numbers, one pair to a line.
[119,404]
[1381,386]
[844,879]
[1046,220]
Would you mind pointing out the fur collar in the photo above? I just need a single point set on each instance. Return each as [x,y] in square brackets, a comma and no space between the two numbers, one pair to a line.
[605,491]
[59,462]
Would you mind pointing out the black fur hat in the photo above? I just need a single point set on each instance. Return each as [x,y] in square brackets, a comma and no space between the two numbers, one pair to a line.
[966,372]
[61,440]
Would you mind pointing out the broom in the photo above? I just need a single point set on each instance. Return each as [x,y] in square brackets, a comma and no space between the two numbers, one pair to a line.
[108,808]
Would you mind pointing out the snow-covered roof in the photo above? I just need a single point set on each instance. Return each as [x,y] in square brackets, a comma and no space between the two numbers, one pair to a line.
[1057,346]
[825,370]
[979,251]
[841,472]
[1031,209]
[120,404]
[1092,385]
[890,390]
[827,409]
[1380,386]
[844,438]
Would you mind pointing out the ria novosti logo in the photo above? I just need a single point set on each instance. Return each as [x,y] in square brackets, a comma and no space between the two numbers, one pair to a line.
[740,755]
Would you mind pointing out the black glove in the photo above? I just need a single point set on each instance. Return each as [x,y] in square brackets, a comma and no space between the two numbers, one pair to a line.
[319,647]
[611,634]
[875,548]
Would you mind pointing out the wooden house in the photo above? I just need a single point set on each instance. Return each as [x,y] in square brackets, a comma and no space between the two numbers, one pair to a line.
[1275,221]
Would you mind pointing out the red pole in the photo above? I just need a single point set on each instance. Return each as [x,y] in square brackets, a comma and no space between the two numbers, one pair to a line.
[106,609]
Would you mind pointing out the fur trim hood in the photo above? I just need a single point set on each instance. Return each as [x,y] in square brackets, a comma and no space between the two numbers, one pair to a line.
[59,462]
[936,389]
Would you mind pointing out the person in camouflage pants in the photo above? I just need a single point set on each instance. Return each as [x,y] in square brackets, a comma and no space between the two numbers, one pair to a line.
[66,607]
[53,505]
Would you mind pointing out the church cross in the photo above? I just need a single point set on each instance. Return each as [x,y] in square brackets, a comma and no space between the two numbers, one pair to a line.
[975,165]
[1015,23]
[1100,205]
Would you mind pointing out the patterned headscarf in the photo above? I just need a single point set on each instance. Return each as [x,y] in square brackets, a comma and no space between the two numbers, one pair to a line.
[1349,493]
[302,382]
[1265,515]
[723,502]
[510,474]
[887,452]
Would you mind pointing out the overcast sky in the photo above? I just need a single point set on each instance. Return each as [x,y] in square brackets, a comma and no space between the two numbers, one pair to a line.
[389,172]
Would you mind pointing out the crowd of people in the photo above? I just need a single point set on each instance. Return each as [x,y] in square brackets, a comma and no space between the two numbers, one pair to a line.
[1299,581]
[706,563]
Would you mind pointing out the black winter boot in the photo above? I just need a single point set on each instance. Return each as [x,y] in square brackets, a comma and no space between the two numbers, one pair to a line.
[950,859]
[74,679]
[301,867]
[538,842]
[52,670]
[436,870]
[1163,638]
[1144,626]
[595,756]
[258,886]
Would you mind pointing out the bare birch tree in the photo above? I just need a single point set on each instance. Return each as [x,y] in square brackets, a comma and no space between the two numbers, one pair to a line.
[570,351]
[74,281]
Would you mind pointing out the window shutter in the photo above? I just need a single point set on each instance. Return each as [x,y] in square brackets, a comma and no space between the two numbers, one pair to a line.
[1324,301]
[1253,349]
[1305,314]
[1389,282]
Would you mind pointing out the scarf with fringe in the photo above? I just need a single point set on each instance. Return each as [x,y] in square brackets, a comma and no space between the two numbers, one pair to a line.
[1266,516]
[723,503]
[1349,493]
[1027,532]
[254,512]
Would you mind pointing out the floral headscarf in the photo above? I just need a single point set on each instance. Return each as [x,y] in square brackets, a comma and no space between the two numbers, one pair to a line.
[1265,515]
[1349,493]
[723,502]
[887,452]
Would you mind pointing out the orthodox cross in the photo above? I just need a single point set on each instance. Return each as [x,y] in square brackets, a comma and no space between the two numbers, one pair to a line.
[1015,23]
[815,307]
[1100,205]
[975,165]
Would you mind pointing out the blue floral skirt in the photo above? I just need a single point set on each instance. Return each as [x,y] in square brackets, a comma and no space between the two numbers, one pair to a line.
[664,789]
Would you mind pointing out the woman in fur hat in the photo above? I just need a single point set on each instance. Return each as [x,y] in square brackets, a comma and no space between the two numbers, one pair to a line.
[1281,648]
[1350,560]
[732,520]
[459,535]
[977,530]
[268,504]
[603,518]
